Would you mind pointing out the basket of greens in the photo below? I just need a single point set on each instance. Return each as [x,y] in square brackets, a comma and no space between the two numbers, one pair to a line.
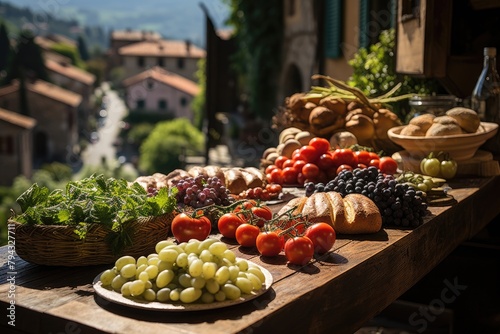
[92,221]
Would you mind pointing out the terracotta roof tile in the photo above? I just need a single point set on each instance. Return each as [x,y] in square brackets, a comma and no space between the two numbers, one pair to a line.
[17,119]
[70,71]
[168,78]
[45,89]
[165,48]
[134,35]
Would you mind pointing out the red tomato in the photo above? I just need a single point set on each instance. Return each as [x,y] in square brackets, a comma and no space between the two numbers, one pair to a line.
[274,188]
[288,163]
[276,176]
[299,250]
[310,171]
[320,144]
[262,214]
[322,235]
[361,166]
[185,227]
[388,165]
[363,157]
[270,168]
[374,155]
[246,234]
[375,163]
[269,243]
[296,155]
[345,156]
[343,167]
[299,164]
[228,223]
[309,153]
[325,161]
[289,175]
[301,179]
[280,160]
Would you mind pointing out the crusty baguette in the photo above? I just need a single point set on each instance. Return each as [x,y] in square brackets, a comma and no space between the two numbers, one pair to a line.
[252,180]
[353,214]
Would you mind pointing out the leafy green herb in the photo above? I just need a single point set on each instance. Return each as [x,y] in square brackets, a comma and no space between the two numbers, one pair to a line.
[94,200]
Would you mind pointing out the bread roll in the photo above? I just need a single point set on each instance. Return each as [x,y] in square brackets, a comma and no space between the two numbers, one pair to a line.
[467,118]
[444,126]
[412,130]
[423,121]
[362,127]
[353,214]
[235,181]
[322,117]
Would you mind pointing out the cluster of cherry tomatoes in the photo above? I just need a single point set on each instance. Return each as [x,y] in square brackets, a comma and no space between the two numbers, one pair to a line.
[269,192]
[316,162]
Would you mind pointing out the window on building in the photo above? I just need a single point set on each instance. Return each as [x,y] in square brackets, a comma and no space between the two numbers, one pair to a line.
[6,145]
[141,104]
[333,28]
[183,101]
[140,61]
[180,62]
[162,104]
[161,62]
[374,17]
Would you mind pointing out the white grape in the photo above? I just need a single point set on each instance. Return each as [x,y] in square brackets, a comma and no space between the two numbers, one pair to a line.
[233,272]
[153,261]
[162,265]
[206,256]
[128,270]
[244,284]
[125,290]
[118,282]
[164,278]
[222,275]
[163,295]
[182,260]
[206,243]
[149,295]
[257,272]
[192,246]
[152,271]
[229,254]
[196,268]
[168,255]
[232,291]
[107,277]
[137,287]
[198,282]
[143,276]
[175,294]
[217,248]
[190,295]
[209,269]
[207,297]
[142,260]
[124,260]
[185,280]
[256,282]
[242,264]
[162,244]
[212,286]
[220,296]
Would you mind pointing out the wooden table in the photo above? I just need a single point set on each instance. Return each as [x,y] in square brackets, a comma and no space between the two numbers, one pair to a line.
[338,293]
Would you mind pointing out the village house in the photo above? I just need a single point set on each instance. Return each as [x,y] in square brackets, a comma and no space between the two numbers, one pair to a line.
[121,38]
[180,57]
[55,110]
[74,79]
[161,91]
[16,146]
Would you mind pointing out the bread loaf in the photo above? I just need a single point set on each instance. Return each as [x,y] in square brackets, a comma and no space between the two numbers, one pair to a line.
[353,214]
[467,118]
[235,181]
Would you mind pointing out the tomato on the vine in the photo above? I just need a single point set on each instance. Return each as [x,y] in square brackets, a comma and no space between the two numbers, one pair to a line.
[299,250]
[345,156]
[322,235]
[228,223]
[269,243]
[261,214]
[388,165]
[185,227]
[320,144]
[246,234]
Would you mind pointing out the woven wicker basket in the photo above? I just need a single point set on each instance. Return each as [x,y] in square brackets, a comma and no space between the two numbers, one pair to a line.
[55,245]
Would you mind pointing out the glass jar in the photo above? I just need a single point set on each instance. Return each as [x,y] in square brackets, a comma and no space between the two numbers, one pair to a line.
[433,104]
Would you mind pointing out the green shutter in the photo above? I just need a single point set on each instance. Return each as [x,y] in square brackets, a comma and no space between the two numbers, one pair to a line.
[333,28]
[364,17]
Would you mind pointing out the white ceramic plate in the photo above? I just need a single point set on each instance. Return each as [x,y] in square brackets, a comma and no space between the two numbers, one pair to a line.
[117,298]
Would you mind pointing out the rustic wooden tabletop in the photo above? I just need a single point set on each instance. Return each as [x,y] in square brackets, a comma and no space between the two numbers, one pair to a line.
[337,293]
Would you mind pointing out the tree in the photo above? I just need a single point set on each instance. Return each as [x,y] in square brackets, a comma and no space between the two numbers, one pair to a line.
[169,141]
[82,48]
[69,51]
[5,49]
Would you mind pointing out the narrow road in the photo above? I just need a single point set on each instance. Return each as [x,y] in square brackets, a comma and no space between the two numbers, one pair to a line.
[102,148]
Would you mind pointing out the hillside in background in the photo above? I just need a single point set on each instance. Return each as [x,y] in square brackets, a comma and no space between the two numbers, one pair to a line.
[174,19]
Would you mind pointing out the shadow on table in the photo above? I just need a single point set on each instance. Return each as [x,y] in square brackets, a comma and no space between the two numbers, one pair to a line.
[231,312]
